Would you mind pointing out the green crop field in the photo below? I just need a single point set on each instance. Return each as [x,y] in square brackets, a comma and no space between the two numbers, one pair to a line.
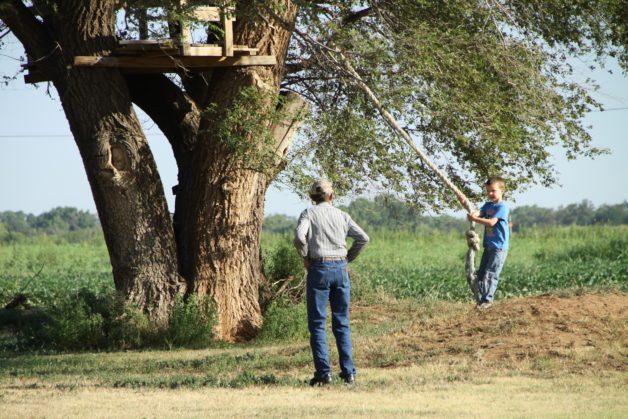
[432,265]
[47,270]
[424,265]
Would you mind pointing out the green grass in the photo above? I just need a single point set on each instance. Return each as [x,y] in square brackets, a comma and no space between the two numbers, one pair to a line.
[231,367]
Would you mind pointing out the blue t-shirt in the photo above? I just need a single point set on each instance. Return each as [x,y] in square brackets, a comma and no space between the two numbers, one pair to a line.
[497,236]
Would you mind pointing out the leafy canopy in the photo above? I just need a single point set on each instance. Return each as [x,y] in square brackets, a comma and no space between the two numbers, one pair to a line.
[484,87]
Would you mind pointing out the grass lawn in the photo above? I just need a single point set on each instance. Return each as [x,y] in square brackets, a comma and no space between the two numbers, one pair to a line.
[550,355]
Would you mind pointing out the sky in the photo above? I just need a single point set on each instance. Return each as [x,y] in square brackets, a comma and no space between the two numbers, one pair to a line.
[40,166]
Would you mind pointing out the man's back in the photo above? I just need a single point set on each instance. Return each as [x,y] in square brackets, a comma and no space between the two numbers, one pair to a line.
[322,231]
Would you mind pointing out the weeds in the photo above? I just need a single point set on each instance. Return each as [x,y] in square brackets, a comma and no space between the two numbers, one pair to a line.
[284,271]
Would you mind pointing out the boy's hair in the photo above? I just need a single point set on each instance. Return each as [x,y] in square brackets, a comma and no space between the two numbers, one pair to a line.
[496,180]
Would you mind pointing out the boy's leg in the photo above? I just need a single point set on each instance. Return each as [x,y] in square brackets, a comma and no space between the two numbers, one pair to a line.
[494,265]
[317,297]
[339,297]
[481,275]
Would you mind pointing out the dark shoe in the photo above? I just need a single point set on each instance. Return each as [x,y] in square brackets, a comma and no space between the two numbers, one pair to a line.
[348,379]
[321,381]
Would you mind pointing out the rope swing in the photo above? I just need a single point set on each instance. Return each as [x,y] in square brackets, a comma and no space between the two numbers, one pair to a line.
[473,241]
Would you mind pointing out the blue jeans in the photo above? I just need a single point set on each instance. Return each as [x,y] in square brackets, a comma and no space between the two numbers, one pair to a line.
[488,273]
[329,281]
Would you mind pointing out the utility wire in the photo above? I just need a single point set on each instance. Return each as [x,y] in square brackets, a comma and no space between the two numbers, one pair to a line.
[58,135]
[612,109]
[162,135]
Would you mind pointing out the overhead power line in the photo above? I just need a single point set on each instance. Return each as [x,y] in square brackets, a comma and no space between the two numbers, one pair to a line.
[161,134]
[57,135]
[612,109]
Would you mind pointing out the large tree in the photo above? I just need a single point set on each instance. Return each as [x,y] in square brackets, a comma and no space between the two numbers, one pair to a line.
[483,86]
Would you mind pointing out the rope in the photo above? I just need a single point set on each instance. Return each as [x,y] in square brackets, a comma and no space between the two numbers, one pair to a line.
[473,240]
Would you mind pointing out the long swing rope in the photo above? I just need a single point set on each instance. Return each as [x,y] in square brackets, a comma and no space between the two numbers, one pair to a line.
[473,240]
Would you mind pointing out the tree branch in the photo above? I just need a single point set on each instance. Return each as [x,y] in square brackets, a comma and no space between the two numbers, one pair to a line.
[196,86]
[293,110]
[29,31]
[175,113]
[354,17]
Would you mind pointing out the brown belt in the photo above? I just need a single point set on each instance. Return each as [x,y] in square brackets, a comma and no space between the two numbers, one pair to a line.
[325,259]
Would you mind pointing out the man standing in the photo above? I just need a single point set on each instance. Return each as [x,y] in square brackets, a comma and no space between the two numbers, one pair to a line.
[320,238]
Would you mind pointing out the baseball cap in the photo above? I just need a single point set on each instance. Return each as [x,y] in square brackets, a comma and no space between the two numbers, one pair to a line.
[322,188]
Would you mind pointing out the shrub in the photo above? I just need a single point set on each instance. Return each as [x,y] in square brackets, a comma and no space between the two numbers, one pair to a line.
[191,324]
[88,320]
[284,321]
[73,325]
[284,271]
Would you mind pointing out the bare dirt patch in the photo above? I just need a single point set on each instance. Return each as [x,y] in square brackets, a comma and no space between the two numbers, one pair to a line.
[584,331]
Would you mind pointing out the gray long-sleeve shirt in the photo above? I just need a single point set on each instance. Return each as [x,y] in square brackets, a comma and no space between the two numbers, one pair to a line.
[322,231]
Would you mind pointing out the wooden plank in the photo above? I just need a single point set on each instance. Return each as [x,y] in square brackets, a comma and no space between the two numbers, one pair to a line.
[207,14]
[148,44]
[195,50]
[169,64]
[204,51]
[185,38]
[227,23]
[239,51]
[217,51]
[210,14]
[132,42]
[36,77]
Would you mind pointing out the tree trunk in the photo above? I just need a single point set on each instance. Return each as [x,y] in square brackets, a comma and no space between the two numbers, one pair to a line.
[220,205]
[225,257]
[120,167]
[222,256]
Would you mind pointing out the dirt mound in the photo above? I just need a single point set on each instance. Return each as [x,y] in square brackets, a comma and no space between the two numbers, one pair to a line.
[588,330]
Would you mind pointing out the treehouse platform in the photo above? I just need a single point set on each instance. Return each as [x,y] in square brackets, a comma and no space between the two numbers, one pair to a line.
[171,55]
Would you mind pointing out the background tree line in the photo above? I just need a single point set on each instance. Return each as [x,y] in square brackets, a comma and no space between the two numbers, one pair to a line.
[62,223]
[382,213]
[387,213]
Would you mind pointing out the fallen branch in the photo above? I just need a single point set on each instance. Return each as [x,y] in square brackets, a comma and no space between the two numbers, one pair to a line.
[17,301]
[20,298]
